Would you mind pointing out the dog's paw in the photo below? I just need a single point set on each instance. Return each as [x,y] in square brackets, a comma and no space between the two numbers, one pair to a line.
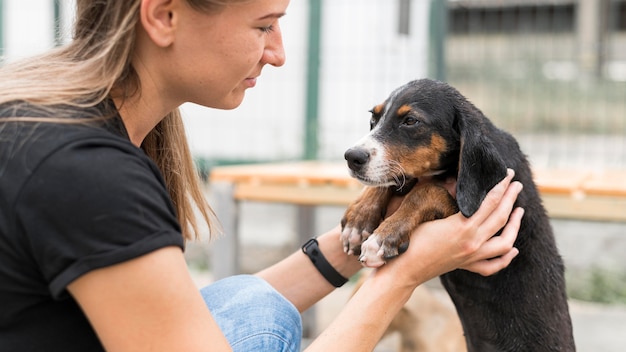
[358,224]
[371,253]
[377,249]
[352,238]
[362,217]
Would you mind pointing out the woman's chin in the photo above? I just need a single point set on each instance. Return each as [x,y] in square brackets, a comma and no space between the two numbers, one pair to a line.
[230,102]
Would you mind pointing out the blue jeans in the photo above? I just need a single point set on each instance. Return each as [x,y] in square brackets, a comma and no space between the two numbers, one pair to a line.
[253,315]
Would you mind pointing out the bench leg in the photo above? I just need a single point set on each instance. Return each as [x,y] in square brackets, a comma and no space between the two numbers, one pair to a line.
[306,229]
[225,248]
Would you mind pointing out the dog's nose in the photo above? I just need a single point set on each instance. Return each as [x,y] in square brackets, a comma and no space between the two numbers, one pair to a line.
[357,158]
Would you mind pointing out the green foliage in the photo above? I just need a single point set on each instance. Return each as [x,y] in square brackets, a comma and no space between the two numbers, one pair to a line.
[598,285]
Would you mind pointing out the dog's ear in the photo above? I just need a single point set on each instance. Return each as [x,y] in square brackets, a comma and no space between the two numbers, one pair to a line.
[480,164]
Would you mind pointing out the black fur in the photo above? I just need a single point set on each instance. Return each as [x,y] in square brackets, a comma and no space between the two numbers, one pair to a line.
[523,307]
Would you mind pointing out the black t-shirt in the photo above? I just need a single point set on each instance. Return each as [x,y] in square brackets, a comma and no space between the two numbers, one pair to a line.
[73,198]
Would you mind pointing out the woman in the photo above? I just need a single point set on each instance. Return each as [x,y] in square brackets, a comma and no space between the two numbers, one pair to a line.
[98,189]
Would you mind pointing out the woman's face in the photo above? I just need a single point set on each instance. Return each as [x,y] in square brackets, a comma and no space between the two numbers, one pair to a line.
[218,56]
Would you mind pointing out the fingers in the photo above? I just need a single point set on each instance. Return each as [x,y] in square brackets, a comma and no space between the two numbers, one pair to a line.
[500,215]
[498,251]
[471,244]
[493,198]
[494,212]
[489,267]
[499,245]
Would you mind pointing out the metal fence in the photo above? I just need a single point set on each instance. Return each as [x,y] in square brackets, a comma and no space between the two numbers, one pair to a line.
[551,72]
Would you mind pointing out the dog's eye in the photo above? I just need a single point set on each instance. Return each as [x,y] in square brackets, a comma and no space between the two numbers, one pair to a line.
[373,121]
[410,121]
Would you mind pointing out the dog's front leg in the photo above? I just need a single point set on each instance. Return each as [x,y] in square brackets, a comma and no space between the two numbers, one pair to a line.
[424,202]
[363,216]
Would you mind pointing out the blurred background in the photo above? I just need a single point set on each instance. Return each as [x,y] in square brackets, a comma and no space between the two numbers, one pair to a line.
[551,72]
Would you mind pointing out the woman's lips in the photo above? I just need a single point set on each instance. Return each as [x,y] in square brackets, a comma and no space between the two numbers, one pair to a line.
[250,82]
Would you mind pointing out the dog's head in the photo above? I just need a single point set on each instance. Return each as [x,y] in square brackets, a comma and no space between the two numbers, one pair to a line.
[427,128]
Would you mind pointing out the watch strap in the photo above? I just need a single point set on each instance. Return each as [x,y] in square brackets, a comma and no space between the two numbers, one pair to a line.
[312,250]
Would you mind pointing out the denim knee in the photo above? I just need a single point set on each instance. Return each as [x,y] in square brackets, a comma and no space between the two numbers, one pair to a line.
[253,315]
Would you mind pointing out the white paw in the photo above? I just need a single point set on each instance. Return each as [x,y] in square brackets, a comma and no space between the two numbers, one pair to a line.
[351,238]
[371,253]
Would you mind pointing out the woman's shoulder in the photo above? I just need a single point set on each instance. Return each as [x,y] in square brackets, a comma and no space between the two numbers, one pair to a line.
[33,132]
[72,150]
[101,117]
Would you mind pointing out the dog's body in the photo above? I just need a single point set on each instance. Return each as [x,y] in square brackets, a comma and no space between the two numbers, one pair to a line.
[427,128]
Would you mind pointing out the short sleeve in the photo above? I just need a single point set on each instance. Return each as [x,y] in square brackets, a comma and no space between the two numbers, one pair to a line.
[93,204]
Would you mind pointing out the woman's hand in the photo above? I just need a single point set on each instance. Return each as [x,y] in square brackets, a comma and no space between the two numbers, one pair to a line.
[456,242]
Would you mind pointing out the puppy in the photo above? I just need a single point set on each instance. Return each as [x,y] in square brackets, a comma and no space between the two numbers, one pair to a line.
[427,128]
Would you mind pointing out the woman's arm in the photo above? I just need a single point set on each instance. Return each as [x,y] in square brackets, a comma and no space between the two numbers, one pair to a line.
[300,282]
[148,304]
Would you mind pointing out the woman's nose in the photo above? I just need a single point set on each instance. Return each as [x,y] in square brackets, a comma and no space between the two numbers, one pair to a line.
[274,51]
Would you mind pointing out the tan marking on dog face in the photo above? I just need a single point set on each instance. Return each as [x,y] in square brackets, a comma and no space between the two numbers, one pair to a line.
[422,160]
[378,109]
[403,110]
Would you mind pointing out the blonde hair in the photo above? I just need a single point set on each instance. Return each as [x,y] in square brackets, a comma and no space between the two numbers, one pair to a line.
[97,64]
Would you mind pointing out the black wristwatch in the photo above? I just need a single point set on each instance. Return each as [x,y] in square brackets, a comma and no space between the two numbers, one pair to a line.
[312,250]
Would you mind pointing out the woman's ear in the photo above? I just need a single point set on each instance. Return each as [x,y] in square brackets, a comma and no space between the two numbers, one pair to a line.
[158,20]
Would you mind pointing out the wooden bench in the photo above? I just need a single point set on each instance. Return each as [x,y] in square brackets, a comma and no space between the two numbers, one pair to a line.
[585,195]
[573,194]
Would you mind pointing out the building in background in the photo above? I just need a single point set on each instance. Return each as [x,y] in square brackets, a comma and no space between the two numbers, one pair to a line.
[553,72]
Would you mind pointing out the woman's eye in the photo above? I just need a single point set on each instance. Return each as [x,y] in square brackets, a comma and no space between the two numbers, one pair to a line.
[268,29]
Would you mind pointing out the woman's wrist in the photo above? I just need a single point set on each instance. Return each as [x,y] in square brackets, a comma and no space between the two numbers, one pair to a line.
[312,250]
